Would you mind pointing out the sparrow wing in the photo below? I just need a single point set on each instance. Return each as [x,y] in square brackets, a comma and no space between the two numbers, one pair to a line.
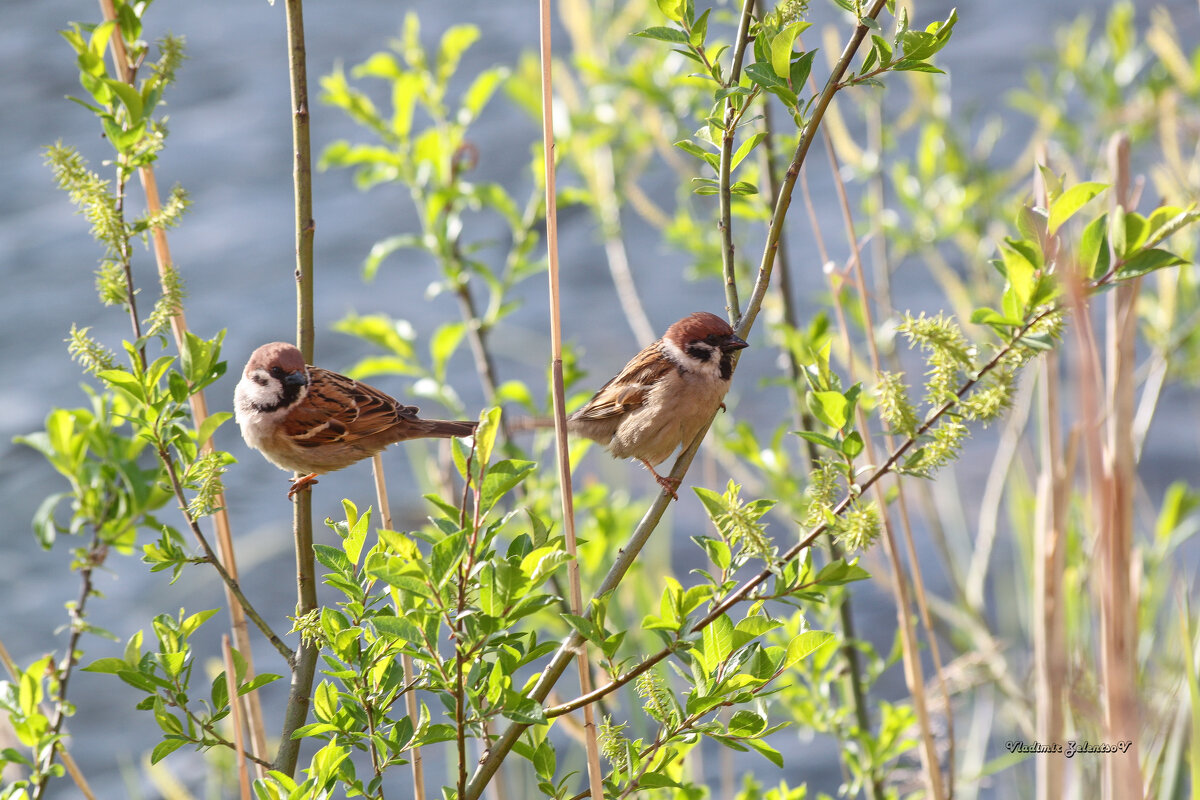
[629,388]
[338,410]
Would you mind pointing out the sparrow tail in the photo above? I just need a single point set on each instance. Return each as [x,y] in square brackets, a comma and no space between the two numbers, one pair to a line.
[446,429]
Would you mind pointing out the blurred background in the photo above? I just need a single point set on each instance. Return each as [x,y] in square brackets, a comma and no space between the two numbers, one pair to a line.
[230,148]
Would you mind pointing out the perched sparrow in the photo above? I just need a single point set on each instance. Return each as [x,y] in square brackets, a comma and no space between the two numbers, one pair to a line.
[307,419]
[664,395]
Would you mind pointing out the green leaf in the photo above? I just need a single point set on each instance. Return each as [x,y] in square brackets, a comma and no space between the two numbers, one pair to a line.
[124,381]
[168,745]
[384,248]
[130,98]
[1094,257]
[485,437]
[765,750]
[455,42]
[717,642]
[852,445]
[801,68]
[672,35]
[830,407]
[746,723]
[764,75]
[401,628]
[44,526]
[746,148]
[480,92]
[210,425]
[671,9]
[781,48]
[108,666]
[1148,261]
[334,559]
[805,645]
[819,439]
[501,478]
[1069,202]
[443,344]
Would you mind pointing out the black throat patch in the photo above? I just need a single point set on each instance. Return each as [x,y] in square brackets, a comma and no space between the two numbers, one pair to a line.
[726,364]
[290,392]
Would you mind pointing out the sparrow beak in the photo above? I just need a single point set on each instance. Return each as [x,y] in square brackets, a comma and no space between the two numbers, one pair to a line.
[734,342]
[298,378]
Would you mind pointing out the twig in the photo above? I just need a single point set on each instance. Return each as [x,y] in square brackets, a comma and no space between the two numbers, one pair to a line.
[304,668]
[725,222]
[211,557]
[410,697]
[595,778]
[199,406]
[785,193]
[95,557]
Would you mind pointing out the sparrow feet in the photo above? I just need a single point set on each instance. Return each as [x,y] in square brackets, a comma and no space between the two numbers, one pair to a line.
[669,485]
[302,484]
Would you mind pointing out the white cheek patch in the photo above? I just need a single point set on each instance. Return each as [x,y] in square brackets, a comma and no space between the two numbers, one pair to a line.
[710,368]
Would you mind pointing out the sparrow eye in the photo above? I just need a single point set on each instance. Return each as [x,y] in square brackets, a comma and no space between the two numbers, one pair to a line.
[277,372]
[712,339]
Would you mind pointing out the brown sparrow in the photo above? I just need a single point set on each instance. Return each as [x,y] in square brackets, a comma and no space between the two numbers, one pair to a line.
[310,420]
[664,395]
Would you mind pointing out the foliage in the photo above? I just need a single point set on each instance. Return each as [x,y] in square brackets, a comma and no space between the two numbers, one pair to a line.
[760,638]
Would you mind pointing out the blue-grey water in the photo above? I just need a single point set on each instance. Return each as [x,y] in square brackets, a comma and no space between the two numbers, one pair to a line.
[230,147]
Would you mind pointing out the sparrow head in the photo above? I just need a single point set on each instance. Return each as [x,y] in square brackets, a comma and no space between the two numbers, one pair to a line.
[275,377]
[703,342]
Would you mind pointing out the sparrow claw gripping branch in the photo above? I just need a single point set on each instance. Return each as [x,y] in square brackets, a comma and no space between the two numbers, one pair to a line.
[301,484]
[664,395]
[309,420]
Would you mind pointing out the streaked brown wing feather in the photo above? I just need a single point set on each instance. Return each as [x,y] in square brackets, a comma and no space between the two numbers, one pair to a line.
[338,410]
[629,388]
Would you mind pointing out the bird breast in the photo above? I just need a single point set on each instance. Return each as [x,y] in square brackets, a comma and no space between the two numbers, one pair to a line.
[671,416]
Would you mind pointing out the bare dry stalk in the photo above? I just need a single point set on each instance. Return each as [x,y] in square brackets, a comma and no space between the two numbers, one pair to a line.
[1113,491]
[595,778]
[410,697]
[231,688]
[1048,622]
[199,407]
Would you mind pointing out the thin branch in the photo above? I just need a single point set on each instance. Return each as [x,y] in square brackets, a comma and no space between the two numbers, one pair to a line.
[725,222]
[95,557]
[763,281]
[210,556]
[304,667]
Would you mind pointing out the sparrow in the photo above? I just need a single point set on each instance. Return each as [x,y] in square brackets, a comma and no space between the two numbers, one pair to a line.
[664,395]
[309,420]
